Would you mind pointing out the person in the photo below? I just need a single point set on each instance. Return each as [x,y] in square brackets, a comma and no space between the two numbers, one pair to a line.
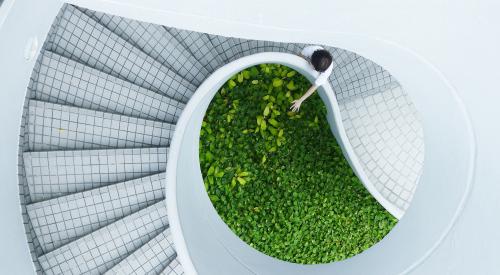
[321,62]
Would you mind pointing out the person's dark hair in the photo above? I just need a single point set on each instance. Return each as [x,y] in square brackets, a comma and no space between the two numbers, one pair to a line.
[321,60]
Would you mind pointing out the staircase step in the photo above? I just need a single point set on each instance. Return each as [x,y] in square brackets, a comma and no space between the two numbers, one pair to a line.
[233,48]
[64,81]
[249,47]
[102,249]
[152,258]
[56,173]
[81,38]
[173,268]
[157,42]
[228,48]
[200,46]
[62,220]
[58,127]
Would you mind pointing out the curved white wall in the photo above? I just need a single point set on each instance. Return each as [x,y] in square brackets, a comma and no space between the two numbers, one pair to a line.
[206,245]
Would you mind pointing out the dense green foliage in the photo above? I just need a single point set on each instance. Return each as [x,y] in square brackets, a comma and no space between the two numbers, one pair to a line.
[279,179]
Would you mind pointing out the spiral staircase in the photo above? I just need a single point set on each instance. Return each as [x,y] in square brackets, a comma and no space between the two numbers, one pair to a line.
[100,111]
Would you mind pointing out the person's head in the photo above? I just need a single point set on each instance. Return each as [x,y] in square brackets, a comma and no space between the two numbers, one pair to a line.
[321,60]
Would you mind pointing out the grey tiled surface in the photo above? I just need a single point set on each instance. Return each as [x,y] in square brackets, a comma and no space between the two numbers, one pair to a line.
[104,248]
[55,173]
[231,49]
[157,42]
[151,258]
[60,127]
[173,268]
[61,80]
[199,46]
[80,38]
[59,221]
[382,125]
[385,132]
[225,47]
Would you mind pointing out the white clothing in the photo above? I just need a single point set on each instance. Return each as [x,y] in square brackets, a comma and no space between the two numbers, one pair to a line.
[321,78]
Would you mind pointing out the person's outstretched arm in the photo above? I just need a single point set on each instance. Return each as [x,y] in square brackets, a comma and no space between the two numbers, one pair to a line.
[296,103]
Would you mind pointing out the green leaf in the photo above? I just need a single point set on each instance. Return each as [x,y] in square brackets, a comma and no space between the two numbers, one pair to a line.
[259,120]
[240,78]
[241,180]
[277,82]
[291,86]
[263,125]
[243,174]
[254,82]
[272,130]
[273,122]
[210,171]
[208,156]
[291,74]
[219,174]
[266,111]
[214,198]
[232,84]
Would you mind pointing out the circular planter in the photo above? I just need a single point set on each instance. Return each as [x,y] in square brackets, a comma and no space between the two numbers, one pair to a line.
[206,245]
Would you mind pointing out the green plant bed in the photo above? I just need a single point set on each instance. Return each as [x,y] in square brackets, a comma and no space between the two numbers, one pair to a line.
[279,179]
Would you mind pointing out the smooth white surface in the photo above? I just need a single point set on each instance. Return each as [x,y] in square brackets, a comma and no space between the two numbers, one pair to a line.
[17,27]
[207,246]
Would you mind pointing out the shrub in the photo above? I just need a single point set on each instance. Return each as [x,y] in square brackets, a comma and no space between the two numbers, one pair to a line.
[279,179]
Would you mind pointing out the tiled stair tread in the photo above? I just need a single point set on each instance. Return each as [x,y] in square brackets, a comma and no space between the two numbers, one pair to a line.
[77,35]
[104,248]
[62,220]
[64,81]
[156,42]
[199,46]
[248,47]
[55,173]
[151,258]
[226,47]
[233,48]
[173,268]
[59,127]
